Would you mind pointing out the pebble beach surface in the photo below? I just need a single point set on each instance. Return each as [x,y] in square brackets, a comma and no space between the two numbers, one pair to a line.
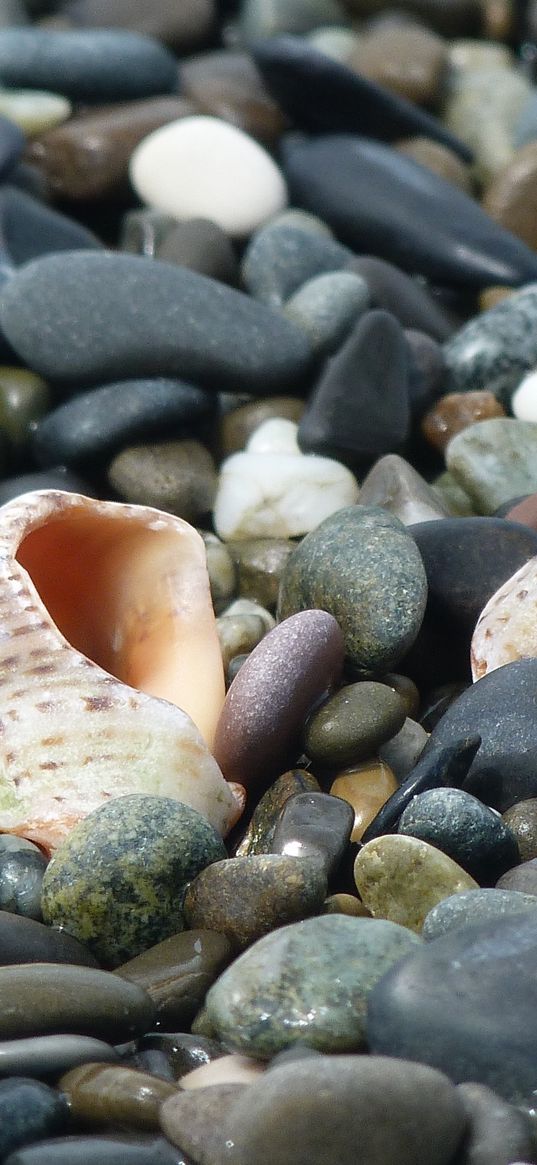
[268,341]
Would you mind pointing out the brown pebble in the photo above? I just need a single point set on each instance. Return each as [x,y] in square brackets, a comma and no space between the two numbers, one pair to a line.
[408,59]
[178,972]
[345,904]
[521,819]
[524,512]
[441,160]
[227,84]
[108,1094]
[511,196]
[366,787]
[457,411]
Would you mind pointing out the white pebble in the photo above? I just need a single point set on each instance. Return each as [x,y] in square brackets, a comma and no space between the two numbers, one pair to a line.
[524,399]
[34,110]
[277,435]
[203,167]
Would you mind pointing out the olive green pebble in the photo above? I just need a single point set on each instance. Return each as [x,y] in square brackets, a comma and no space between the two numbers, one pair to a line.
[117,881]
[353,724]
[24,399]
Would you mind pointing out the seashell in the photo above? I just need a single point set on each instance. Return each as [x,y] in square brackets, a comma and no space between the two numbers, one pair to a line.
[507,626]
[110,667]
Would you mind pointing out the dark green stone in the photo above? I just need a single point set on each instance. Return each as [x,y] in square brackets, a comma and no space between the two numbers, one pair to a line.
[352,725]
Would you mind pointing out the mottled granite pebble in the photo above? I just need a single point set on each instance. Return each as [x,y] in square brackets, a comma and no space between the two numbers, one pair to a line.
[401,878]
[483,905]
[494,348]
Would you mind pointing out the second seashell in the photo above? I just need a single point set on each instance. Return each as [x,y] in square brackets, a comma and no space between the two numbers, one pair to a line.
[507,626]
[110,667]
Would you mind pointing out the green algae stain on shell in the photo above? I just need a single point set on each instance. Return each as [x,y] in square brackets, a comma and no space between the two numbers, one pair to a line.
[117,881]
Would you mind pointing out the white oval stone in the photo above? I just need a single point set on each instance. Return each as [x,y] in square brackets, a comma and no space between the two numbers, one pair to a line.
[524,398]
[34,110]
[204,167]
[276,435]
[507,626]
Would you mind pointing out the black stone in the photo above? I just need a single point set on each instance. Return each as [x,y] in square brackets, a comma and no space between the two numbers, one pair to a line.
[100,1150]
[321,95]
[391,206]
[90,65]
[504,779]
[95,424]
[463,828]
[181,1051]
[57,477]
[406,299]
[29,1110]
[29,229]
[93,318]
[466,560]
[359,410]
[466,1003]
[12,143]
[426,371]
[314,825]
[24,940]
[444,765]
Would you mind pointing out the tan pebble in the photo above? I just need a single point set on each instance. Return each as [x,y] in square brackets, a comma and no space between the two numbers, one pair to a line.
[401,878]
[345,904]
[490,296]
[224,1070]
[408,59]
[507,626]
[456,411]
[441,160]
[366,787]
[510,197]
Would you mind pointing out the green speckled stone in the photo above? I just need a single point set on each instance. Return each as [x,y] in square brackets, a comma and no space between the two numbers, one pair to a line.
[259,835]
[116,882]
[362,566]
[494,461]
[285,990]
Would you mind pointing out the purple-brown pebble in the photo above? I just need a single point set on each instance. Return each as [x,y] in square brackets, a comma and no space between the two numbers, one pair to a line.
[258,734]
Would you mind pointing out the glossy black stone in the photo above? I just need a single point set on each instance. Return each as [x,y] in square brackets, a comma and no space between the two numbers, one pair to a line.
[389,205]
[464,829]
[181,1051]
[321,95]
[314,825]
[360,409]
[28,1110]
[406,299]
[443,765]
[100,1150]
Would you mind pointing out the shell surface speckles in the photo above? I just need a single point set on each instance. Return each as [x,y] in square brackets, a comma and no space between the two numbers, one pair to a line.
[507,626]
[109,659]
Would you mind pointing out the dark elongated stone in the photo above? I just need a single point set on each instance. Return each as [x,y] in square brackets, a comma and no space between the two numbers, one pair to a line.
[45,1056]
[466,1004]
[321,95]
[116,1150]
[30,229]
[46,998]
[28,1110]
[389,205]
[24,940]
[93,318]
[405,298]
[97,65]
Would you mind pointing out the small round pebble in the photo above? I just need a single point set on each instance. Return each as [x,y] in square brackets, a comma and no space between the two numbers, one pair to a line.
[353,724]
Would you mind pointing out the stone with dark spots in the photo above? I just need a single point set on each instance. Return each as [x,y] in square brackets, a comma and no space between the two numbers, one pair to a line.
[321,95]
[361,565]
[463,828]
[260,831]
[96,423]
[314,825]
[53,998]
[246,898]
[94,318]
[466,560]
[29,1110]
[177,973]
[360,407]
[25,940]
[116,880]
[495,348]
[259,731]
[444,765]
[387,204]
[465,1004]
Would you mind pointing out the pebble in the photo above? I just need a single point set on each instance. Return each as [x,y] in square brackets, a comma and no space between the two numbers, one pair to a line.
[366,787]
[282,256]
[194,1120]
[361,565]
[408,59]
[202,166]
[401,878]
[227,84]
[504,631]
[49,999]
[333,1104]
[314,825]
[24,399]
[440,159]
[25,940]
[11,143]
[493,350]
[464,1004]
[393,484]
[405,298]
[404,749]
[259,563]
[94,65]
[245,898]
[182,28]
[327,307]
[467,831]
[289,977]
[494,461]
[177,972]
[178,1054]
[99,1150]
[483,107]
[258,838]
[237,426]
[48,1056]
[100,885]
[109,1094]
[456,411]
[176,476]
[511,192]
[521,819]
[124,316]
[29,1110]
[522,878]
[238,635]
[56,478]
[497,1132]
[33,111]
[523,401]
[221,570]
[472,906]
[353,724]
[31,229]
[22,866]
[262,719]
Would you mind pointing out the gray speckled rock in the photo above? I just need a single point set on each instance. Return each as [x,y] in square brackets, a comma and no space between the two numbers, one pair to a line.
[116,882]
[281,257]
[95,317]
[327,306]
[475,906]
[494,348]
[463,828]
[283,989]
[494,461]
[362,566]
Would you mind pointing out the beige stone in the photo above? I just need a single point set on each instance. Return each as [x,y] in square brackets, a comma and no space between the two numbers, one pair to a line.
[401,878]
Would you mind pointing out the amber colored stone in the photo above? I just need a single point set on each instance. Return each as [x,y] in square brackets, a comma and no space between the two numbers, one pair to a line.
[438,158]
[88,156]
[408,59]
[237,426]
[107,1094]
[511,196]
[366,787]
[490,296]
[345,904]
[456,411]
[228,85]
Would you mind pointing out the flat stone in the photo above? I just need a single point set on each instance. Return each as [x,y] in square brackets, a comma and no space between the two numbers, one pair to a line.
[331,1104]
[438,158]
[353,724]
[110,1149]
[93,65]
[465,1004]
[103,892]
[181,26]
[404,297]
[49,999]
[521,819]
[505,630]
[289,974]
[456,411]
[366,787]
[473,906]
[177,972]
[25,940]
[112,1094]
[358,564]
[247,897]
[393,484]
[462,827]
[259,834]
[401,878]
[497,1132]
[494,461]
[408,59]
[495,348]
[227,84]
[315,825]
[95,318]
[29,1110]
[282,256]
[195,1119]
[327,307]
[177,476]
[48,1056]
[260,726]
[359,409]
[388,204]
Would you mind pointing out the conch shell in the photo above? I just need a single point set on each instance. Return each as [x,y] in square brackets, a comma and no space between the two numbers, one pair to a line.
[109,659]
